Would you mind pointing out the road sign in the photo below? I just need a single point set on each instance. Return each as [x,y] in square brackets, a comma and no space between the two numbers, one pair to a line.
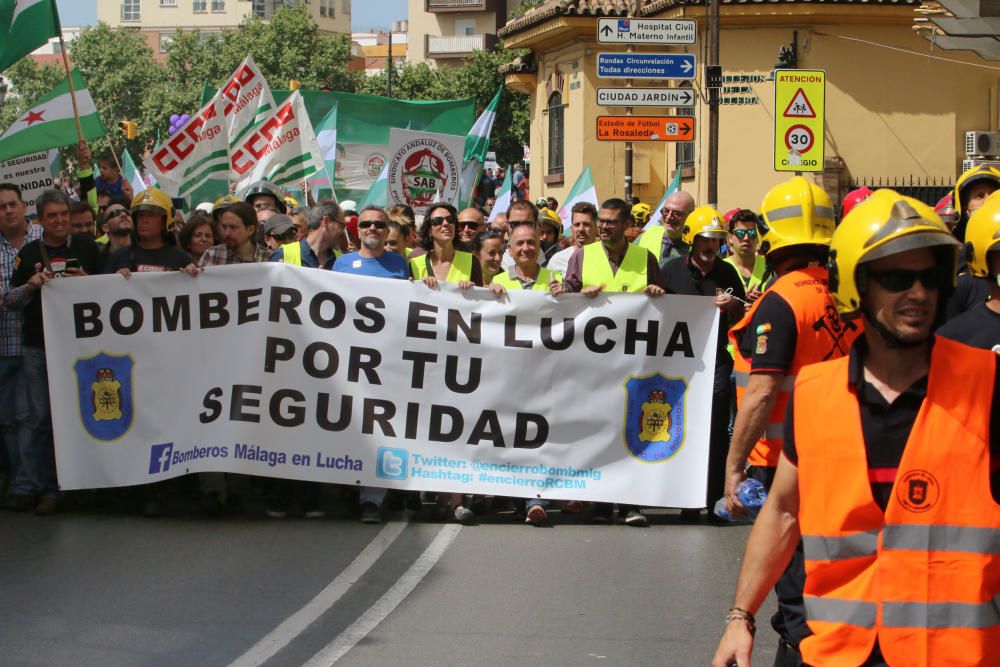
[799,103]
[645,128]
[645,66]
[646,31]
[645,97]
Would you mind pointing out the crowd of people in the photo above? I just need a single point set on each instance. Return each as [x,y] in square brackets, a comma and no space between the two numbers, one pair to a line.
[889,293]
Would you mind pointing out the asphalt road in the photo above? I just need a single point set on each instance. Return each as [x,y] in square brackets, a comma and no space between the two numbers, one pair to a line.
[102,587]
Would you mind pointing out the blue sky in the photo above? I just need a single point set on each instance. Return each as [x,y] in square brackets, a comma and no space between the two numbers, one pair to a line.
[365,14]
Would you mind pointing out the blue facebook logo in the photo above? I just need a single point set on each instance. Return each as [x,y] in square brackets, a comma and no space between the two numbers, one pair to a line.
[159,458]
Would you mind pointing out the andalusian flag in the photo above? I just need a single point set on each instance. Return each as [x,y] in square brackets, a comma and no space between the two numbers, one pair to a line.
[582,190]
[477,144]
[49,123]
[378,193]
[503,197]
[132,173]
[326,136]
[24,26]
[675,185]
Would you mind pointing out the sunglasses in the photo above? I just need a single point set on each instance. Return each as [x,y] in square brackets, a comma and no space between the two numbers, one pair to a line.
[670,213]
[111,214]
[439,220]
[900,280]
[377,224]
[745,233]
[609,221]
[468,224]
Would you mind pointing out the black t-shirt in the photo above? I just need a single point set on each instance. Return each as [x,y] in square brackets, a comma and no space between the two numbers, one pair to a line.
[886,428]
[134,258]
[979,327]
[681,276]
[969,293]
[29,262]
[770,340]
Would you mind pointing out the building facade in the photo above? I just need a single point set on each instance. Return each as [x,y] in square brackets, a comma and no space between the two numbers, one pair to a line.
[896,112]
[443,32]
[158,20]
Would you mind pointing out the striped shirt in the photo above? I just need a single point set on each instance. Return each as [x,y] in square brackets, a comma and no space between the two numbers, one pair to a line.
[11,320]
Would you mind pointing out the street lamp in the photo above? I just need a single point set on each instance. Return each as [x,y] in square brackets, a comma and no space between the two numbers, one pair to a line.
[788,56]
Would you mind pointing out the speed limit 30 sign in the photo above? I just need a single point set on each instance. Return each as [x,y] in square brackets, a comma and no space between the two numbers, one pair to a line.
[799,105]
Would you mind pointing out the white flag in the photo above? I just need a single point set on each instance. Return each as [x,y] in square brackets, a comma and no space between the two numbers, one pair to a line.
[283,149]
[194,154]
[246,100]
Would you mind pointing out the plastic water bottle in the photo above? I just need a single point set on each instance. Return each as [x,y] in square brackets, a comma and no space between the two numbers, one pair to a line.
[752,495]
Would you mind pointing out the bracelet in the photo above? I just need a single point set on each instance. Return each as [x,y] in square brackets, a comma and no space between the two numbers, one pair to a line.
[738,614]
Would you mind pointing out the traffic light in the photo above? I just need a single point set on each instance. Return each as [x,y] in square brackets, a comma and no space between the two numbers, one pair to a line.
[129,128]
[294,84]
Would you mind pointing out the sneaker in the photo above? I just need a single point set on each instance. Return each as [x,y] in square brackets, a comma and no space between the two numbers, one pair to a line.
[314,513]
[636,519]
[537,516]
[690,516]
[370,513]
[275,513]
[47,506]
[464,515]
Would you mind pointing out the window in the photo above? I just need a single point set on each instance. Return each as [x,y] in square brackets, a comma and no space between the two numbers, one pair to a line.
[556,131]
[218,5]
[199,5]
[130,10]
[258,9]
[327,8]
[465,27]
[346,7]
[168,3]
[165,39]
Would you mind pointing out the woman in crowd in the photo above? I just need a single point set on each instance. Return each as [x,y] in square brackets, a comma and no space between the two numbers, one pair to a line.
[438,261]
[489,252]
[198,235]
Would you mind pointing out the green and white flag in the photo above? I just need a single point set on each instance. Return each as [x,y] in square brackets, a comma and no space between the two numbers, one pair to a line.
[196,153]
[49,123]
[477,144]
[675,185]
[246,100]
[283,149]
[132,174]
[326,136]
[378,193]
[503,196]
[582,190]
[24,26]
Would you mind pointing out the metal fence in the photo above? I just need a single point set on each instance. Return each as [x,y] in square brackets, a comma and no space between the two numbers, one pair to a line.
[927,190]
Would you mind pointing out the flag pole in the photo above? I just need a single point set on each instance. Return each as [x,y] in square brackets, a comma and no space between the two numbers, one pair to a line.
[72,89]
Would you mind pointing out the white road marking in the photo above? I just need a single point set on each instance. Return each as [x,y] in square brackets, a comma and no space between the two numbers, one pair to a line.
[295,624]
[368,621]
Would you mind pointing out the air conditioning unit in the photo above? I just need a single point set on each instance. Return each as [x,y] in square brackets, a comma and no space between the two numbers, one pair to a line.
[982,143]
[972,164]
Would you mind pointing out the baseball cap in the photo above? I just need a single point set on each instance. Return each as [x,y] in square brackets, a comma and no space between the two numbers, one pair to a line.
[278,225]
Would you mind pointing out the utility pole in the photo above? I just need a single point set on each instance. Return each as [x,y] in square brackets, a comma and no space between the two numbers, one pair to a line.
[388,72]
[713,105]
[628,112]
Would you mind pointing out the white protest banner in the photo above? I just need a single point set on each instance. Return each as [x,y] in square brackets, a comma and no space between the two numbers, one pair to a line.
[197,152]
[246,100]
[283,371]
[283,149]
[422,165]
[32,173]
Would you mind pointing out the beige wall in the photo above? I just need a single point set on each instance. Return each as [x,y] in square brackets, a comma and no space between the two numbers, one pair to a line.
[888,113]
[153,16]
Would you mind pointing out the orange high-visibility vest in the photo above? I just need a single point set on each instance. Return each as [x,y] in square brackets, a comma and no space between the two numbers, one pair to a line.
[924,576]
[821,336]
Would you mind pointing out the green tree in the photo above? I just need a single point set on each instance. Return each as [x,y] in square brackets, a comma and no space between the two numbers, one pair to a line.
[123,78]
[413,81]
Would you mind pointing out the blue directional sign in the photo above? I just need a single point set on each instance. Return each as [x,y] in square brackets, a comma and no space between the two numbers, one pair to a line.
[645,66]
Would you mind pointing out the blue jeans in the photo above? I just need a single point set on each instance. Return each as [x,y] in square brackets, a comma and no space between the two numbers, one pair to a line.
[13,412]
[37,473]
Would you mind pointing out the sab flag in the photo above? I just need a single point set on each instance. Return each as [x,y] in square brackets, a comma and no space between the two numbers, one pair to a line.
[197,152]
[283,149]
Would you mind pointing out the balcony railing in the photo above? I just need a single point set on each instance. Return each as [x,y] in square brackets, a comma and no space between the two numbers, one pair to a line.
[455,47]
[462,5]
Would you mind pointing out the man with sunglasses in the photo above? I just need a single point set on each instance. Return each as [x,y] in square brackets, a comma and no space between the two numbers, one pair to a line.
[889,471]
[521,212]
[117,227]
[792,325]
[664,239]
[470,223]
[374,260]
[743,240]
